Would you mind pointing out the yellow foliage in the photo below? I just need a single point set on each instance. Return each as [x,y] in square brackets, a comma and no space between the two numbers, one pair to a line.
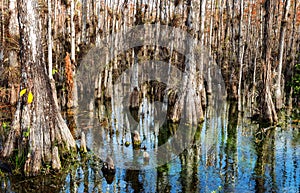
[30,97]
[22,92]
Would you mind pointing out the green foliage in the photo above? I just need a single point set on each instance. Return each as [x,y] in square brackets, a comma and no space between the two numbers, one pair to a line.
[296,80]
[54,71]
[18,161]
[5,125]
[46,169]
[26,133]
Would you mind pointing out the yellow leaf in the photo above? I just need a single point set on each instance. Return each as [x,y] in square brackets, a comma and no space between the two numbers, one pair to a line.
[22,92]
[30,97]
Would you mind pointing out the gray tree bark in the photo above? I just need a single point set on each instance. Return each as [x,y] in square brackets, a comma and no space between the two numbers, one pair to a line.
[240,54]
[278,92]
[13,53]
[268,112]
[50,43]
[38,128]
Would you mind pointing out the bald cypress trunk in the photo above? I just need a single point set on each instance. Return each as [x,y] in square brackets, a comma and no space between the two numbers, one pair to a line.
[240,54]
[50,43]
[38,129]
[278,93]
[268,112]
[189,105]
[13,31]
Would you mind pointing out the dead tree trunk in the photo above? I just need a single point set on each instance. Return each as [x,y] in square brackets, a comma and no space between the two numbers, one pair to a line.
[38,128]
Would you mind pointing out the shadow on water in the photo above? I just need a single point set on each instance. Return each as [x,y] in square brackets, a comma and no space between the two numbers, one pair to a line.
[228,153]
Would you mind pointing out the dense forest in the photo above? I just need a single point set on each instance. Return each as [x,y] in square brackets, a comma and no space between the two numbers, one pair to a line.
[44,45]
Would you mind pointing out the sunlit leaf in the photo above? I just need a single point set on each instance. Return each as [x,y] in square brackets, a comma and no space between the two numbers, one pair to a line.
[30,98]
[22,92]
[54,71]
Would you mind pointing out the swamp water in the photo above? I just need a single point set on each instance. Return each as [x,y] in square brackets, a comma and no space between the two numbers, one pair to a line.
[227,153]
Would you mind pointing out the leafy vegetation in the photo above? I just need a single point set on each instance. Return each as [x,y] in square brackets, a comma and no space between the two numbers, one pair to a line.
[296,81]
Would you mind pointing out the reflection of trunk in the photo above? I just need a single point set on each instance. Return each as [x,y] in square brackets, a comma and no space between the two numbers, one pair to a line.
[268,112]
[188,174]
[132,177]
[162,182]
[38,128]
[231,148]
[43,183]
[264,157]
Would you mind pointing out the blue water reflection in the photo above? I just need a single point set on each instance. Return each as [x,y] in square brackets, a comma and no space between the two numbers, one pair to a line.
[227,154]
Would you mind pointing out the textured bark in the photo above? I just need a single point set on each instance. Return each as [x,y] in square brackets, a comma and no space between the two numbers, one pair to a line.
[50,43]
[69,81]
[278,92]
[13,53]
[84,22]
[188,106]
[38,128]
[73,45]
[74,102]
[240,54]
[268,112]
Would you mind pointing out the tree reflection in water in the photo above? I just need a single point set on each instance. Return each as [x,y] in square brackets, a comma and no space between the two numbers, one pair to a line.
[227,154]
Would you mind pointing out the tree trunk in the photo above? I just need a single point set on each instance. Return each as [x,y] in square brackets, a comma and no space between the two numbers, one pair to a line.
[1,33]
[278,93]
[240,55]
[268,112]
[190,100]
[38,128]
[13,53]
[50,43]
[84,23]
[72,91]
[73,45]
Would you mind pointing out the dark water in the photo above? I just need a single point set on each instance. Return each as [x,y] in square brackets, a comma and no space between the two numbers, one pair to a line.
[227,153]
